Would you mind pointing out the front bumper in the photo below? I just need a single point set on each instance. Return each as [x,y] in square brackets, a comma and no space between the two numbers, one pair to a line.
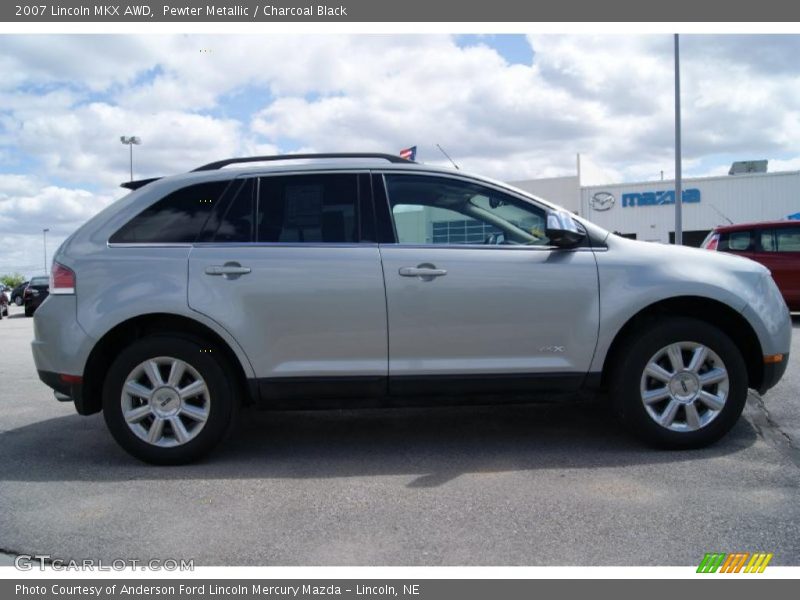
[772,374]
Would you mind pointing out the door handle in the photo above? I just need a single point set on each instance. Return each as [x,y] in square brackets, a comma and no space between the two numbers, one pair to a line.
[229,270]
[424,271]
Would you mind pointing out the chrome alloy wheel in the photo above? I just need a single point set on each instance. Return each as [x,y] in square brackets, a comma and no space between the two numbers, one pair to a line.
[165,401]
[684,386]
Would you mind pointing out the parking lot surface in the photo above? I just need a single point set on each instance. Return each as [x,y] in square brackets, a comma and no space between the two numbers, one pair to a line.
[519,485]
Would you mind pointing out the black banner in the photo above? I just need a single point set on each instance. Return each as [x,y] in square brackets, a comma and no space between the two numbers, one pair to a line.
[373,589]
[405,11]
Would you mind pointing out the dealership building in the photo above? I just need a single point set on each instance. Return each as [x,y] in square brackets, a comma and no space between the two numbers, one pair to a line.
[645,210]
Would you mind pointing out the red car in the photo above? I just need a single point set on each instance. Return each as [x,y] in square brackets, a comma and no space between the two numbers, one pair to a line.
[775,244]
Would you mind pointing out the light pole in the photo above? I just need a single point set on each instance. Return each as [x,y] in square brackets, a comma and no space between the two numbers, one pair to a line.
[130,141]
[678,178]
[44,245]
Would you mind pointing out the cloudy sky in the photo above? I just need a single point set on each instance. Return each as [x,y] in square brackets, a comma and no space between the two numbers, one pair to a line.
[511,106]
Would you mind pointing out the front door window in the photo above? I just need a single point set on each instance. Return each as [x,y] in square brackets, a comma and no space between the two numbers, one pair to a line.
[443,211]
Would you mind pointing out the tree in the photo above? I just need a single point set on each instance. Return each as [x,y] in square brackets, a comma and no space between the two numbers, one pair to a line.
[12,280]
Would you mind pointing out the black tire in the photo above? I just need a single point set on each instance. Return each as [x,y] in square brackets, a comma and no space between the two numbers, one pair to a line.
[223,400]
[18,301]
[643,345]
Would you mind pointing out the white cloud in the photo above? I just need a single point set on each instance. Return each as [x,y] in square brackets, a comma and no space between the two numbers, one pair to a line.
[24,253]
[83,145]
[97,62]
[792,164]
[29,205]
[608,97]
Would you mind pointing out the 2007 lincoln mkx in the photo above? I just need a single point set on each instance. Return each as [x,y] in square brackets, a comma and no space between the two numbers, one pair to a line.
[369,280]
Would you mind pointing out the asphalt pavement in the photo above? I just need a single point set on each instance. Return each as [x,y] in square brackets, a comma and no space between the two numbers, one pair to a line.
[519,485]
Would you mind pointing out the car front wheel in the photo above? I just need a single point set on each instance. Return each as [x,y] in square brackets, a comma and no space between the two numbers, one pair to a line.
[680,383]
[169,400]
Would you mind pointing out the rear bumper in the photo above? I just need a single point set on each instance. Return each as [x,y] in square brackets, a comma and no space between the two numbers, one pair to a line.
[71,389]
[773,373]
[60,348]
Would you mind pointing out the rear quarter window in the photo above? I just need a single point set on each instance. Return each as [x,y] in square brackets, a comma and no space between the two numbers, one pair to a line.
[176,218]
[736,241]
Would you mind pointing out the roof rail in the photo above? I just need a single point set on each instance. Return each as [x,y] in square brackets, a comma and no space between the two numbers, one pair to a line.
[135,185]
[275,157]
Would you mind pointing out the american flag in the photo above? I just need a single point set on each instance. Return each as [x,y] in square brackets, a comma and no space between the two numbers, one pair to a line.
[409,153]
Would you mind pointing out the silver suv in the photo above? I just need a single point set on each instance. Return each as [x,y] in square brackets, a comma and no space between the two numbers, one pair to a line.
[368,280]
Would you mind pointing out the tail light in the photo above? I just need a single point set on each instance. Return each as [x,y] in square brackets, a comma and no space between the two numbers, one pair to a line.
[62,279]
[712,242]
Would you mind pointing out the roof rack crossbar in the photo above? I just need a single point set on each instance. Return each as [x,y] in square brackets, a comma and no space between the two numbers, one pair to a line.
[275,157]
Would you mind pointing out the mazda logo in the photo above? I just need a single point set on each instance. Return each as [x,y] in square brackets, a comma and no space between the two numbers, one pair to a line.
[602,201]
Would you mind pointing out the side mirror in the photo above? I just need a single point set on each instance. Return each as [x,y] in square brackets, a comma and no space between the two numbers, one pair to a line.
[562,230]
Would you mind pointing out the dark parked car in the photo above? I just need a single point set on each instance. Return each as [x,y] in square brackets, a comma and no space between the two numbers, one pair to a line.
[38,289]
[774,244]
[17,294]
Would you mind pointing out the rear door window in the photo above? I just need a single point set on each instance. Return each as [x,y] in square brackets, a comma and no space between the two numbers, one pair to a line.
[788,239]
[233,219]
[767,240]
[308,209]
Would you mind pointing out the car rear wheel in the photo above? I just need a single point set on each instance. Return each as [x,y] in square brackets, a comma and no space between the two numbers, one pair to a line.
[680,383]
[18,301]
[169,400]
